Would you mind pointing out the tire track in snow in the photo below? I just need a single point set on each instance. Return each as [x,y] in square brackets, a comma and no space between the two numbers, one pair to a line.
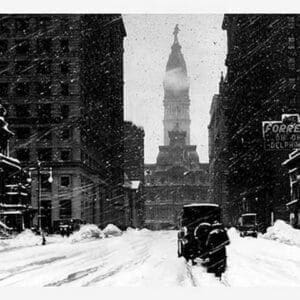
[29,267]
[73,276]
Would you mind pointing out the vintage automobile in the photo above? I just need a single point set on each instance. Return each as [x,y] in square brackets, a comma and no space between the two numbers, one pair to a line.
[194,223]
[248,225]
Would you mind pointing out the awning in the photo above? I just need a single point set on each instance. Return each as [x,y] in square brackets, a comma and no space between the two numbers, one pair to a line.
[293,170]
[292,202]
[9,162]
[4,205]
[11,212]
[5,226]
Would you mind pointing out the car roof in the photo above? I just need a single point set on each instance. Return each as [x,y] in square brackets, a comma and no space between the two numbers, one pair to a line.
[249,214]
[201,204]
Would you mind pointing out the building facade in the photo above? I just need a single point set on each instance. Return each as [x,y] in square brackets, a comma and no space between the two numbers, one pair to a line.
[177,178]
[262,84]
[61,78]
[16,212]
[134,174]
[218,154]
[293,166]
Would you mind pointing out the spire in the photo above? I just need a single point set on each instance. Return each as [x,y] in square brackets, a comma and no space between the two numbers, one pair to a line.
[175,32]
[176,59]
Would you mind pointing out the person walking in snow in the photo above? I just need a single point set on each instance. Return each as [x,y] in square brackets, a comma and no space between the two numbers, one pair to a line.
[216,243]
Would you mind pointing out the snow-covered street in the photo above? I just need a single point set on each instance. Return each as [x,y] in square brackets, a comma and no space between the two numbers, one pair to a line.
[143,258]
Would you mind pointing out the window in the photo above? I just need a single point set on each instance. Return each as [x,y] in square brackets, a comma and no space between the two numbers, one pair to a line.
[22,47]
[291,44]
[4,89]
[291,63]
[65,181]
[22,67]
[44,67]
[4,26]
[64,45]
[64,24]
[292,82]
[65,111]
[44,133]
[4,68]
[65,154]
[22,132]
[22,25]
[64,67]
[3,47]
[44,23]
[43,88]
[64,89]
[44,46]
[66,134]
[65,209]
[291,22]
[45,154]
[45,184]
[44,111]
[22,89]
[22,110]
[23,154]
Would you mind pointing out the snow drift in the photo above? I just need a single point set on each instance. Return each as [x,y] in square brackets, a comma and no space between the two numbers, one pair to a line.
[111,230]
[283,233]
[86,232]
[24,239]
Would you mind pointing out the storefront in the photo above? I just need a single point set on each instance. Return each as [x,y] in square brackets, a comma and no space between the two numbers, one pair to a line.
[293,164]
[15,210]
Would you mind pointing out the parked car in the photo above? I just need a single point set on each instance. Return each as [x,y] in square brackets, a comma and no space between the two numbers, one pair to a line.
[194,225]
[248,225]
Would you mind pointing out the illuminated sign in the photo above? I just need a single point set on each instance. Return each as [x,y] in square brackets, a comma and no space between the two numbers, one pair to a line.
[282,135]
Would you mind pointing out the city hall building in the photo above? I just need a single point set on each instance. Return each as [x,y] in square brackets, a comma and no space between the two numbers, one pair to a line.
[178,177]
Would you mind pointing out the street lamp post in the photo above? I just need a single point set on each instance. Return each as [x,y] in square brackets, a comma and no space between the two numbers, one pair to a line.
[39,198]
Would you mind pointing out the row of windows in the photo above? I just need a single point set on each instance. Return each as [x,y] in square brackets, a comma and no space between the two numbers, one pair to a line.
[41,88]
[88,160]
[43,111]
[64,181]
[44,154]
[43,46]
[26,66]
[65,208]
[43,133]
[23,25]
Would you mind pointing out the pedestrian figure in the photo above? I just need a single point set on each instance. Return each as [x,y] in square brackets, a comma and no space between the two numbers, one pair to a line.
[68,230]
[216,243]
[44,239]
[62,231]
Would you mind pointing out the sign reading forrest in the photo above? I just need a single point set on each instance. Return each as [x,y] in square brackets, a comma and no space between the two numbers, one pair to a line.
[282,135]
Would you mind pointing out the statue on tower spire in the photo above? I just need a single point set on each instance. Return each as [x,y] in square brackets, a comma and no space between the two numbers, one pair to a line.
[175,32]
